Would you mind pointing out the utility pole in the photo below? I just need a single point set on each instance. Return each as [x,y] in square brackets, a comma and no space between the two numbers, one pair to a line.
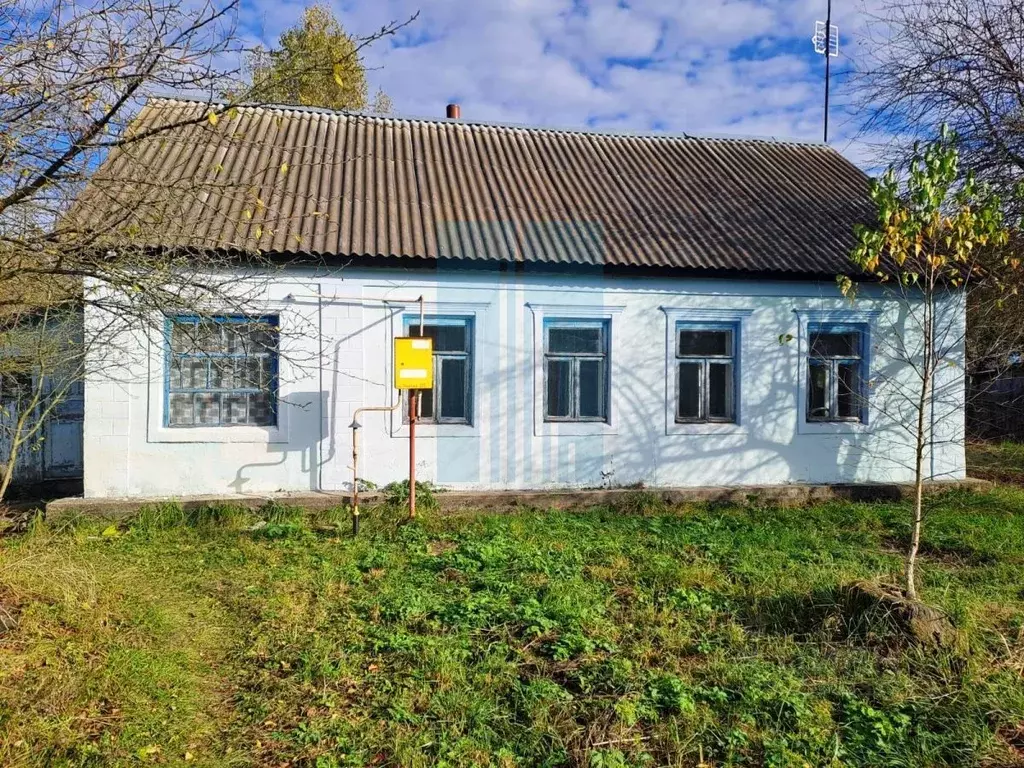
[828,64]
[826,43]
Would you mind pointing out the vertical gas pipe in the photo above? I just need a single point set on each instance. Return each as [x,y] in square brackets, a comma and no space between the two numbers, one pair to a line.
[355,425]
[355,476]
[413,413]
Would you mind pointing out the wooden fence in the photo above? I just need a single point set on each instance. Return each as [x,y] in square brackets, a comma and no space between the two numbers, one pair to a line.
[995,409]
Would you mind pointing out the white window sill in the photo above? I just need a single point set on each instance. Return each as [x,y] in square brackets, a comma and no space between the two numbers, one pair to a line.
[832,427]
[574,429]
[705,428]
[259,435]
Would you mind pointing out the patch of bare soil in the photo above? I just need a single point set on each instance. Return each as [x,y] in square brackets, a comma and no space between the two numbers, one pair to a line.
[1013,738]
[15,518]
[441,547]
[8,613]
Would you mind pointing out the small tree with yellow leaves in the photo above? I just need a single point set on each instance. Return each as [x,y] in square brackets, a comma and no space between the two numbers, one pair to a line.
[317,64]
[932,226]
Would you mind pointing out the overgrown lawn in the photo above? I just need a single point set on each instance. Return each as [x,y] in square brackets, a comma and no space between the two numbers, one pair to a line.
[630,637]
[998,461]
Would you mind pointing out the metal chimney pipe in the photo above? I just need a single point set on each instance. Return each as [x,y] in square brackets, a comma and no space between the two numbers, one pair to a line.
[453,112]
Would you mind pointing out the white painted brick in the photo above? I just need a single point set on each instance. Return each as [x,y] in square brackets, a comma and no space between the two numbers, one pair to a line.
[765,448]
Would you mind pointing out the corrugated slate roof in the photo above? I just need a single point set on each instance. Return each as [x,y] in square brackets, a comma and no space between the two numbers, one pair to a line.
[300,181]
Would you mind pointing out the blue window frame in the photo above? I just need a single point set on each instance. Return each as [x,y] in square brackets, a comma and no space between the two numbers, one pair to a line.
[836,373]
[576,370]
[221,371]
[705,375]
[451,399]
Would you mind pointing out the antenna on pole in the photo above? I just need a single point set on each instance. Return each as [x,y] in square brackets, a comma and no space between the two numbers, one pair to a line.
[826,43]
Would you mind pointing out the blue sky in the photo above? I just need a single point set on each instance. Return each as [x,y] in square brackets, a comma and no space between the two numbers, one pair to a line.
[743,67]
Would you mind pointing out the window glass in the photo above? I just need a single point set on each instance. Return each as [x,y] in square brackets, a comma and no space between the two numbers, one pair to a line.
[207,408]
[720,390]
[453,387]
[559,388]
[818,391]
[450,399]
[705,377]
[835,344]
[700,343]
[180,407]
[426,403]
[848,396]
[835,390]
[591,389]
[570,340]
[15,386]
[447,337]
[221,371]
[260,410]
[576,370]
[688,406]
[235,408]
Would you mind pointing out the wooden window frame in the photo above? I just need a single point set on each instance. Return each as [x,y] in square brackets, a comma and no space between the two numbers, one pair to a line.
[575,359]
[704,382]
[831,364]
[467,356]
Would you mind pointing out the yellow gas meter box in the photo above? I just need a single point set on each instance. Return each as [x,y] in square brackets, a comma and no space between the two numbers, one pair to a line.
[414,362]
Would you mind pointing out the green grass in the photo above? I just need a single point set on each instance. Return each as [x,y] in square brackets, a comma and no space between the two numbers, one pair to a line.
[1002,462]
[643,636]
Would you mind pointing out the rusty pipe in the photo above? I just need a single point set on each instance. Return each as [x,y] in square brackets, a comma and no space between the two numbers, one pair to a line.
[355,442]
[355,457]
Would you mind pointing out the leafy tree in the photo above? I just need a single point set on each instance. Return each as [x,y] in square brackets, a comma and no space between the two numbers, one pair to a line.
[931,226]
[317,64]
[79,270]
[958,62]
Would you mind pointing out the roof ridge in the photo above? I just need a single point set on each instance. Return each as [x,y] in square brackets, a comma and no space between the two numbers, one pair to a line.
[665,135]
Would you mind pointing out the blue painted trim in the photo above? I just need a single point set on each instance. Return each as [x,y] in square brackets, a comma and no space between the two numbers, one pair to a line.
[414,319]
[410,320]
[605,326]
[863,331]
[575,322]
[736,326]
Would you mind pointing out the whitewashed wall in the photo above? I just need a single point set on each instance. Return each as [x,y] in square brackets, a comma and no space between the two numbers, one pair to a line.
[340,320]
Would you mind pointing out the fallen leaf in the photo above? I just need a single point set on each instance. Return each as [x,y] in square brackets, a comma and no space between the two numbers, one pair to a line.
[111,532]
[150,751]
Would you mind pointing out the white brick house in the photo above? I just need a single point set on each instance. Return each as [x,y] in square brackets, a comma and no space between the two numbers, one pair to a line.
[606,310]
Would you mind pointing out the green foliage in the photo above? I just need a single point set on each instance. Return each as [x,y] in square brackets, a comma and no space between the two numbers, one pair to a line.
[1003,461]
[672,696]
[316,64]
[588,638]
[608,758]
[396,496]
[931,222]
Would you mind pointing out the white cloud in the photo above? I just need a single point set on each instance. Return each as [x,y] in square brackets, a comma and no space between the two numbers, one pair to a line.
[699,66]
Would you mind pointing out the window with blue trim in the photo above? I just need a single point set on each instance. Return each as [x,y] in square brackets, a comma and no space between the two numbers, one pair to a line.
[221,371]
[451,399]
[836,373]
[705,373]
[575,370]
